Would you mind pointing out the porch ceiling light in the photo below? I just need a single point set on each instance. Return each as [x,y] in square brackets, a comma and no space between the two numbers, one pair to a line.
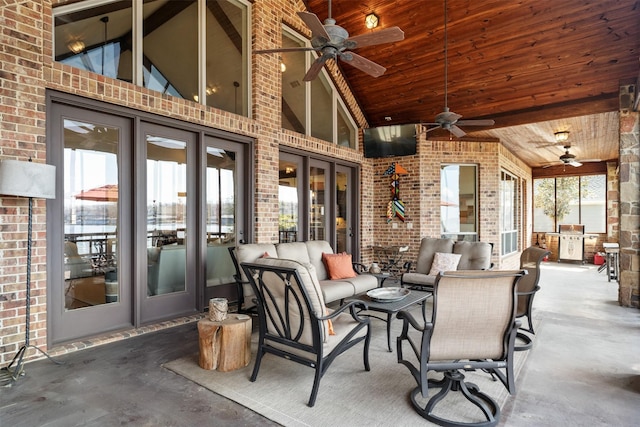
[371,21]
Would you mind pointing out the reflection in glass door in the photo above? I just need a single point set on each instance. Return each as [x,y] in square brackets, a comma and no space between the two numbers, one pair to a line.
[224,216]
[289,199]
[344,218]
[319,201]
[170,218]
[90,214]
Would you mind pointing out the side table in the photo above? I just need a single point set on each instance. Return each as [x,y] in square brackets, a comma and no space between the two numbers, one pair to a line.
[225,345]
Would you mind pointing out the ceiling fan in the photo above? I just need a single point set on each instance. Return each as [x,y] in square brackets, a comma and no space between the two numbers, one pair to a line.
[449,120]
[333,42]
[570,159]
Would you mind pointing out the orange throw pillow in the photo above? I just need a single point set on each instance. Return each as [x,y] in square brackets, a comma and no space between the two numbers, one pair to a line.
[338,265]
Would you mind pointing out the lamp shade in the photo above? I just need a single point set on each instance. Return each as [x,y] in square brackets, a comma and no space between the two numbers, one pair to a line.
[27,179]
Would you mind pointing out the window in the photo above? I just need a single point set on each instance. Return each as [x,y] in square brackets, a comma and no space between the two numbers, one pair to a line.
[190,49]
[509,213]
[458,202]
[312,108]
[570,200]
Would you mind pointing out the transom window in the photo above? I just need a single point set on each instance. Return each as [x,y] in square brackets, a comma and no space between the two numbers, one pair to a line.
[190,49]
[313,108]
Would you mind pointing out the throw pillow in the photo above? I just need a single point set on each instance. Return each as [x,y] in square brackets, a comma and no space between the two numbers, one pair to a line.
[338,266]
[330,329]
[444,262]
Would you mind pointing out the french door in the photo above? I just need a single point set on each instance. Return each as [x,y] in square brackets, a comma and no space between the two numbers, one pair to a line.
[144,214]
[318,201]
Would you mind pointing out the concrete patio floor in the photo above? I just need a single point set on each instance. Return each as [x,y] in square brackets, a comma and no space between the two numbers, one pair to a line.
[583,370]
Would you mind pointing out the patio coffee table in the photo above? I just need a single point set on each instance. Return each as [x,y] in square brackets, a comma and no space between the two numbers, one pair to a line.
[393,307]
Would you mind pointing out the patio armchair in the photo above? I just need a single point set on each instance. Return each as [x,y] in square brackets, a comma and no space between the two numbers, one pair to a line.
[530,260]
[473,326]
[294,322]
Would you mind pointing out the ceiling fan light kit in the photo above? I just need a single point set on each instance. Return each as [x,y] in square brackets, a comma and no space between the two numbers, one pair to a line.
[561,136]
[371,21]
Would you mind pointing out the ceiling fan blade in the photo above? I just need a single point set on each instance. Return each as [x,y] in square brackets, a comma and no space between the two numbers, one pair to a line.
[386,35]
[363,64]
[315,68]
[457,131]
[314,24]
[285,49]
[487,122]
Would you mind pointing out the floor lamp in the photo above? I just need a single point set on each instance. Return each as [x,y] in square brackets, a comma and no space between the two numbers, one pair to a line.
[26,179]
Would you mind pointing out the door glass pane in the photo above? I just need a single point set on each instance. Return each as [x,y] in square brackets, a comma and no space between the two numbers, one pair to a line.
[166,214]
[458,211]
[221,215]
[226,33]
[170,47]
[341,212]
[289,205]
[293,88]
[317,194]
[96,41]
[90,214]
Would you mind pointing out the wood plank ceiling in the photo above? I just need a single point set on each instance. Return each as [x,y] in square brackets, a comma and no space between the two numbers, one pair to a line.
[534,66]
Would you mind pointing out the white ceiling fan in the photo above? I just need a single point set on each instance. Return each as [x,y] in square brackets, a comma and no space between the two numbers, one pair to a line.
[448,120]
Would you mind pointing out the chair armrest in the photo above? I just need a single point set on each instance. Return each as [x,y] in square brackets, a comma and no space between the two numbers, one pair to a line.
[359,267]
[531,292]
[409,319]
[352,306]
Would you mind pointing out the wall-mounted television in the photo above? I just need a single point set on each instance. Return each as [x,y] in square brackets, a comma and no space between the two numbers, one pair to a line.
[390,141]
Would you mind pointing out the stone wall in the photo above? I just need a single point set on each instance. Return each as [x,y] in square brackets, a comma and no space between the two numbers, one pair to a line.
[629,291]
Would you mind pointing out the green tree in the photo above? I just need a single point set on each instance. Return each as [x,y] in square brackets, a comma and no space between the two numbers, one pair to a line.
[556,196]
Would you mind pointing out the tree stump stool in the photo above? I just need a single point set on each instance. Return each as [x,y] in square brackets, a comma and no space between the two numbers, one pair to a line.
[225,345]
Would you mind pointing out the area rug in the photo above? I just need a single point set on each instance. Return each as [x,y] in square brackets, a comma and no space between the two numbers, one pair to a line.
[348,394]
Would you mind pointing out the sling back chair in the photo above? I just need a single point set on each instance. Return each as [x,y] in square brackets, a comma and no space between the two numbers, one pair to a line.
[530,260]
[294,322]
[473,326]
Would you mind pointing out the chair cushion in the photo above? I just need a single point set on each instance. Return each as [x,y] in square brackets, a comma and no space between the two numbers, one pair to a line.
[250,253]
[444,262]
[475,255]
[428,248]
[418,279]
[311,285]
[338,266]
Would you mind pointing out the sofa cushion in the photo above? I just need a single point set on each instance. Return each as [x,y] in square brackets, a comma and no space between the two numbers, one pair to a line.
[338,266]
[315,249]
[296,251]
[444,262]
[428,248]
[336,290]
[474,255]
[251,252]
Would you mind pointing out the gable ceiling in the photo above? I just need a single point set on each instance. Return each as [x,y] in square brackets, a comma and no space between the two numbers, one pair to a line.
[534,66]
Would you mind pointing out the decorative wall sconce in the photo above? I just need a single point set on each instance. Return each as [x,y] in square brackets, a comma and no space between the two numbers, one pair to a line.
[561,136]
[371,21]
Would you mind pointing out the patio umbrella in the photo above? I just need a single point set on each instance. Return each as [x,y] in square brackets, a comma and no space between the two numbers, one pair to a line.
[106,193]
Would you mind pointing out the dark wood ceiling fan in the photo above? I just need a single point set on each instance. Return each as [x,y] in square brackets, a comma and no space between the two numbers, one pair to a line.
[448,120]
[332,41]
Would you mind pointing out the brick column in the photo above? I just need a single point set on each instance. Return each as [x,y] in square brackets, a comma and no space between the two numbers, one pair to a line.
[629,290]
